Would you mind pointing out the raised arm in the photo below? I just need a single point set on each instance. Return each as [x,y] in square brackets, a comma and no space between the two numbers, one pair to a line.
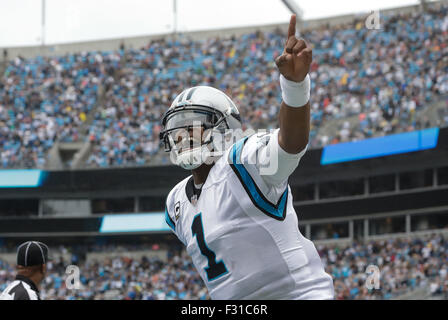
[294,116]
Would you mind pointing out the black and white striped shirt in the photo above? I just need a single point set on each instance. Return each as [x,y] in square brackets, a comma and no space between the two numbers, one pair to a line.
[21,288]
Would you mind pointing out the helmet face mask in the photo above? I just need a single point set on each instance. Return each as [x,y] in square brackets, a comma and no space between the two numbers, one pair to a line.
[192,130]
[180,124]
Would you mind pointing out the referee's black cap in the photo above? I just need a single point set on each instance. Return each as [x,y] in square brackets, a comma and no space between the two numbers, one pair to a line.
[32,253]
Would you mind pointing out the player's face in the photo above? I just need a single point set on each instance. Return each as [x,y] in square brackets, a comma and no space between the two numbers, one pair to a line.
[187,129]
[189,139]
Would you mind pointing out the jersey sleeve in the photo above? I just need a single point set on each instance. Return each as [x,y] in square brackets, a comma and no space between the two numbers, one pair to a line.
[281,164]
[263,165]
[171,207]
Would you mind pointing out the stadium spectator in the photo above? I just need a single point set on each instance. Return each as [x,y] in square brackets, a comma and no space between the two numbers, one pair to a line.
[405,264]
[374,82]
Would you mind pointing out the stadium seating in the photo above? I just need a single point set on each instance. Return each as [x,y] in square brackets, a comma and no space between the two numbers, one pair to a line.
[375,82]
[44,99]
[406,265]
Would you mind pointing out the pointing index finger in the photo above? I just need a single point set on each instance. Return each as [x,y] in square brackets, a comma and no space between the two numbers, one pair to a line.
[292,26]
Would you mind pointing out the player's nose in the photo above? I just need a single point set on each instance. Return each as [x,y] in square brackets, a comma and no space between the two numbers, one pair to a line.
[195,130]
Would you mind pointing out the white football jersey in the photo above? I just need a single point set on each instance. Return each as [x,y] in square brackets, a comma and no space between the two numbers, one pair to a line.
[241,229]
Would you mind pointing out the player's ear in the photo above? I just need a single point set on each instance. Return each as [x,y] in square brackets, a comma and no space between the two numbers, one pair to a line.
[43,269]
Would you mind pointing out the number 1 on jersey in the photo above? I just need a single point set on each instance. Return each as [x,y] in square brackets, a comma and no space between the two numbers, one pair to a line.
[215,269]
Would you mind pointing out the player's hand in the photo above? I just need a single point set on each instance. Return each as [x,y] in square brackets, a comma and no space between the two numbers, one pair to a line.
[295,61]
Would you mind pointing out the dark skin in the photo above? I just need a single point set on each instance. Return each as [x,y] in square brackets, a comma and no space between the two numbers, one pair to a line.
[34,273]
[294,64]
[200,174]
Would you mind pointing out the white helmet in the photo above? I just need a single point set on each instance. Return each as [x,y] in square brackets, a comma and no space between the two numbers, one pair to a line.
[204,108]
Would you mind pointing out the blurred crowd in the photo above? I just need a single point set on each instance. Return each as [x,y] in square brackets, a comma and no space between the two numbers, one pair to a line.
[374,81]
[120,278]
[45,99]
[404,265]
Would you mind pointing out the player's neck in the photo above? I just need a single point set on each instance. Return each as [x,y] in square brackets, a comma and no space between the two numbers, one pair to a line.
[200,174]
[36,280]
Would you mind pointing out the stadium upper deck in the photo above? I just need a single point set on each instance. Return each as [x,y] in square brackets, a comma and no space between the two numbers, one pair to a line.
[368,82]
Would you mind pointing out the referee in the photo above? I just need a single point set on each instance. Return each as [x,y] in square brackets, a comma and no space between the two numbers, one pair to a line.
[32,257]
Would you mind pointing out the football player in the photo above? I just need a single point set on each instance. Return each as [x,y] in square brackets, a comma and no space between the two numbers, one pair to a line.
[235,217]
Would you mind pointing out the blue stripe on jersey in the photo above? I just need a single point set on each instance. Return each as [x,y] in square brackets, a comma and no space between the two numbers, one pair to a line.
[277,211]
[169,221]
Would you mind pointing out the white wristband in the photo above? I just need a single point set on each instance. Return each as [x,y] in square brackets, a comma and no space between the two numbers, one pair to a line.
[295,94]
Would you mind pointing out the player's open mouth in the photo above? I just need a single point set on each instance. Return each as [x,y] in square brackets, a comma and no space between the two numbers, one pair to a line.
[182,150]
[189,145]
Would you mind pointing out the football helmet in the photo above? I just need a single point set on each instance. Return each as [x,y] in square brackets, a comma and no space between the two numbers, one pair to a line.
[197,124]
